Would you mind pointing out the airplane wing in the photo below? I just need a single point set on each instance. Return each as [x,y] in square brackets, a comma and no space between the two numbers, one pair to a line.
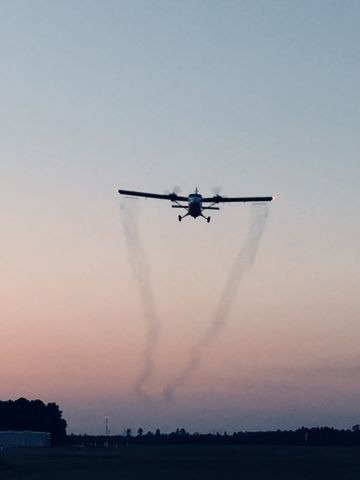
[171,196]
[220,199]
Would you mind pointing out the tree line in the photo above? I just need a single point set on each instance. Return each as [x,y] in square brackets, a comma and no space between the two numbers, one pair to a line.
[302,436]
[34,415]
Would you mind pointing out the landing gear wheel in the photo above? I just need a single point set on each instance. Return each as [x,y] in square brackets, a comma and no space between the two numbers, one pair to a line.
[179,217]
[208,219]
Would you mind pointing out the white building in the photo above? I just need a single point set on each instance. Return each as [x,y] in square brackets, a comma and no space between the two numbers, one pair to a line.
[11,438]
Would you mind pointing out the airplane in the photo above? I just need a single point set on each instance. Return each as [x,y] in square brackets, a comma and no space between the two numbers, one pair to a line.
[195,201]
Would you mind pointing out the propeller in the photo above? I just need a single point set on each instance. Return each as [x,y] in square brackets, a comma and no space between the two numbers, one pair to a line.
[175,191]
[216,191]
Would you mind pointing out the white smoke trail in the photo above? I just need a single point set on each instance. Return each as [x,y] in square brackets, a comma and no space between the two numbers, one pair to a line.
[243,262]
[142,273]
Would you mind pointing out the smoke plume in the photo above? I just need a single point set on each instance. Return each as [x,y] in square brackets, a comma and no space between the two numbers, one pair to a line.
[243,262]
[142,273]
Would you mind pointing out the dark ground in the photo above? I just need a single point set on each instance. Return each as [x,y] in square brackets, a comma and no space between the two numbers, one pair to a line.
[183,462]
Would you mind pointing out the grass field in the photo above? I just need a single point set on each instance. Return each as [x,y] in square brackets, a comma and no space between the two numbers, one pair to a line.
[183,462]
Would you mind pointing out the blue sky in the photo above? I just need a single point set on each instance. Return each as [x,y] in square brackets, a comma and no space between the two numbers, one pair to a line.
[257,97]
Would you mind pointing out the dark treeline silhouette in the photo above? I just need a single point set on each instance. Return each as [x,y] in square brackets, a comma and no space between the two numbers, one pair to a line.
[302,436]
[23,414]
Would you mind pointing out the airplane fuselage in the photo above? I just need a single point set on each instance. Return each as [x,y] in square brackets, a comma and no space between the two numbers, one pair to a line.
[195,204]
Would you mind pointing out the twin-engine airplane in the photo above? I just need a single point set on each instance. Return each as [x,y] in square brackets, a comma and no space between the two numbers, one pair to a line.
[195,201]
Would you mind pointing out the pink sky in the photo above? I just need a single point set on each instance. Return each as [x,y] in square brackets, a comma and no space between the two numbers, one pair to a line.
[142,96]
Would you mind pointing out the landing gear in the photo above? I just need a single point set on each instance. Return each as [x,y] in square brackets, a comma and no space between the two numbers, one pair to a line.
[181,217]
[206,218]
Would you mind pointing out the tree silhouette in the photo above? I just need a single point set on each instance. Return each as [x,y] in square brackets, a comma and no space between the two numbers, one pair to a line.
[23,414]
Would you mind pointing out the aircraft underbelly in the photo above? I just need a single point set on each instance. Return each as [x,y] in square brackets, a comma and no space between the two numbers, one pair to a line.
[195,209]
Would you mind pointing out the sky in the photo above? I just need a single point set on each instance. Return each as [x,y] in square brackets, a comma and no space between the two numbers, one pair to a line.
[256,97]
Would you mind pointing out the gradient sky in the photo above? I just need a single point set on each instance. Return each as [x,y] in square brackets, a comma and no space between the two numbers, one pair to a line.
[258,97]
